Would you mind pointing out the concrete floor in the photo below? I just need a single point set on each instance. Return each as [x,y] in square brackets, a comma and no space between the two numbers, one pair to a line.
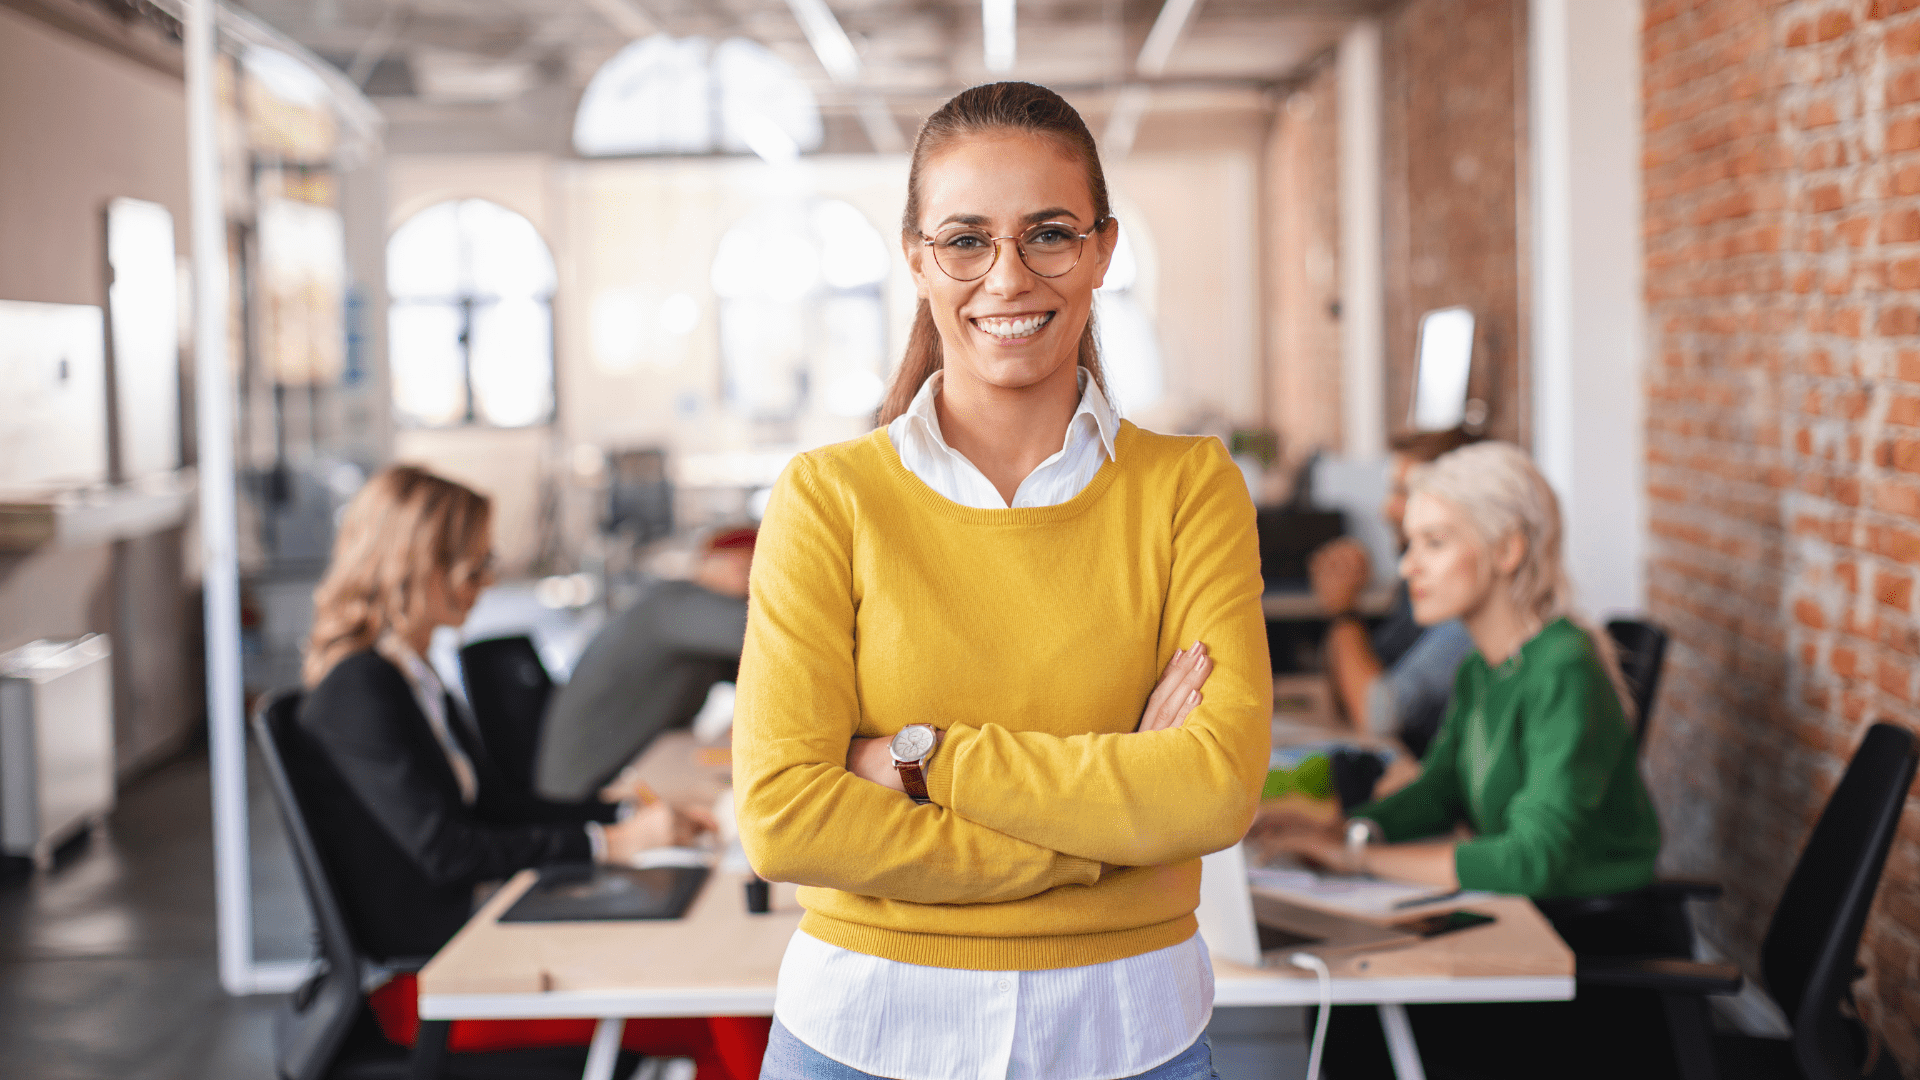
[107,962]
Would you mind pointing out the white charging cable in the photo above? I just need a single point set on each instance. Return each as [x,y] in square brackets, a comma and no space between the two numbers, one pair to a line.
[1325,979]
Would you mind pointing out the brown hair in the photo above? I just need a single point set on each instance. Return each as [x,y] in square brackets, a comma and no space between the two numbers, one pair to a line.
[991,109]
[405,528]
[1424,446]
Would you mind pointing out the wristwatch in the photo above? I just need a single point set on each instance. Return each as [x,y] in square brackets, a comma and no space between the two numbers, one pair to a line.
[912,748]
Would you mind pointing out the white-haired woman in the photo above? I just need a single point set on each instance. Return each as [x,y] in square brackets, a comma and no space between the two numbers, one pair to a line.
[1535,755]
[1535,758]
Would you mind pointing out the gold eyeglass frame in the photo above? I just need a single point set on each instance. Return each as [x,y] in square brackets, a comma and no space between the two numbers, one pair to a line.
[1020,249]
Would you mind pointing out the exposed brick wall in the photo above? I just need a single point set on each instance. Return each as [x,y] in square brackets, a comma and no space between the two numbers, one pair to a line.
[1303,268]
[1783,430]
[1454,154]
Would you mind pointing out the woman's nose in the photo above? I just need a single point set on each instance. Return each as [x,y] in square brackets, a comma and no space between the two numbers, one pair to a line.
[1009,275]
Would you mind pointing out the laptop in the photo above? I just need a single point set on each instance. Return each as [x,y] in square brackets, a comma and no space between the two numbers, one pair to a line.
[1262,931]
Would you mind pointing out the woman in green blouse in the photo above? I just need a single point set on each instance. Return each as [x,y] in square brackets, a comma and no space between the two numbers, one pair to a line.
[1535,759]
[1535,756]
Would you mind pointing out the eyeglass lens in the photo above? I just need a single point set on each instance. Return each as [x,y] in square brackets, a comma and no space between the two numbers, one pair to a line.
[1049,250]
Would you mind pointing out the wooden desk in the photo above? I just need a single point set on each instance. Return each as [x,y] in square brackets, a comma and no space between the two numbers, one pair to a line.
[721,961]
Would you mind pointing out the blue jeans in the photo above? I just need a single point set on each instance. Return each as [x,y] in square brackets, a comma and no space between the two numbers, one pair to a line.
[790,1059]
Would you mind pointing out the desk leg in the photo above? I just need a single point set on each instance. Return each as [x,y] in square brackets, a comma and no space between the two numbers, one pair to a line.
[1400,1044]
[604,1052]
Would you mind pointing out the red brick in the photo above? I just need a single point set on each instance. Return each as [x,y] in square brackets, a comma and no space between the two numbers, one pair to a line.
[1903,40]
[1900,226]
[1893,590]
[1808,614]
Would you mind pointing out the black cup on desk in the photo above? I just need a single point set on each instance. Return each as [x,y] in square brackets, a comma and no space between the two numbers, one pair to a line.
[759,896]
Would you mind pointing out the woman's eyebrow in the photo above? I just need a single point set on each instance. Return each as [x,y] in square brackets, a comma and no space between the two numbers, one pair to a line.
[1055,214]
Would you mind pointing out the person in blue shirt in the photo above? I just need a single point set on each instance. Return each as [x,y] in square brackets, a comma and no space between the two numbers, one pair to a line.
[1395,680]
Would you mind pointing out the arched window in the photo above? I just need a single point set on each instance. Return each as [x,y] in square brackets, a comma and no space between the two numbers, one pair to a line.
[662,95]
[801,319]
[470,318]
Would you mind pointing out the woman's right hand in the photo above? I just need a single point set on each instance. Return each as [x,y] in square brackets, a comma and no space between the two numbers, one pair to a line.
[1178,692]
[655,825]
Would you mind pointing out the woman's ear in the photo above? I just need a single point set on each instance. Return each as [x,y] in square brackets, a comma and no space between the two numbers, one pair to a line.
[915,251]
[1509,553]
[1106,241]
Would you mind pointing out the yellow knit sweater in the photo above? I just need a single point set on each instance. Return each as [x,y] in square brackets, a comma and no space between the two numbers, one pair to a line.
[1033,638]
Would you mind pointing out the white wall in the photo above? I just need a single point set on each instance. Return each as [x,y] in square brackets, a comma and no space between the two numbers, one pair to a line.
[1589,306]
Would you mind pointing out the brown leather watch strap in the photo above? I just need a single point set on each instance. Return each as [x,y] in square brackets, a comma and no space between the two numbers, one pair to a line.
[914,779]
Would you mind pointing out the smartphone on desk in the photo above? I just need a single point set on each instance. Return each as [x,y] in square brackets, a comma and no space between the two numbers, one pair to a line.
[1446,923]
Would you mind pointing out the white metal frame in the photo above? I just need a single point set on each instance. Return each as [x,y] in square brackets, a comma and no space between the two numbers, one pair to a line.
[204,21]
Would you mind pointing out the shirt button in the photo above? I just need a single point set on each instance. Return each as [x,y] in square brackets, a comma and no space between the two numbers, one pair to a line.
[1004,985]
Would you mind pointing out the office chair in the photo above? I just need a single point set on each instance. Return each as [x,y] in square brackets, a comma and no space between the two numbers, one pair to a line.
[1808,955]
[327,1032]
[507,689]
[1643,651]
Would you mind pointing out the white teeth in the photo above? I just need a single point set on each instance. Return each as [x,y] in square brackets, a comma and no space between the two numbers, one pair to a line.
[1014,328]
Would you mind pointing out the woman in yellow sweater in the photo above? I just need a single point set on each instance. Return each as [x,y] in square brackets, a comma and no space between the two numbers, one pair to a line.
[969,720]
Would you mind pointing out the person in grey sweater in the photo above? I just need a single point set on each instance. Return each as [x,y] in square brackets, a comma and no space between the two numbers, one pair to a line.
[648,670]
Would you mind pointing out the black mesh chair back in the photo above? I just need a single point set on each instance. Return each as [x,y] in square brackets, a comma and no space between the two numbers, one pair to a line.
[1643,651]
[330,1034]
[1808,955]
[326,1007]
[508,688]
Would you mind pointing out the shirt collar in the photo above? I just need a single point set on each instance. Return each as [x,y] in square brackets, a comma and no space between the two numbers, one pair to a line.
[420,674]
[1093,405]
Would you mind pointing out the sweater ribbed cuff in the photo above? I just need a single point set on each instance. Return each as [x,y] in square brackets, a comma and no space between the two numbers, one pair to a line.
[1074,870]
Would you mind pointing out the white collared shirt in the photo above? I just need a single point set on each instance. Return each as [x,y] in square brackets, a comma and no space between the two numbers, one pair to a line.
[924,451]
[431,695]
[1097,1022]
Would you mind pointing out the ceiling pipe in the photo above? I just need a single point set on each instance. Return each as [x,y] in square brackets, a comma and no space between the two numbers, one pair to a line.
[830,42]
[1123,123]
[1167,28]
[998,34]
[842,63]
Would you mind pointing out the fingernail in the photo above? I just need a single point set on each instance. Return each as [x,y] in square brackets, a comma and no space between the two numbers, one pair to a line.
[1193,697]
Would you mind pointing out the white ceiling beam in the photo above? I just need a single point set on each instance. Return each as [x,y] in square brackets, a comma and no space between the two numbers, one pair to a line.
[626,16]
[1167,28]
[998,34]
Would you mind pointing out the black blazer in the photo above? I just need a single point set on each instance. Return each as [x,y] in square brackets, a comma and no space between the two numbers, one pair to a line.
[386,814]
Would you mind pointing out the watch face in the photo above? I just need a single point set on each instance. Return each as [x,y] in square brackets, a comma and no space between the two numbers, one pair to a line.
[914,742]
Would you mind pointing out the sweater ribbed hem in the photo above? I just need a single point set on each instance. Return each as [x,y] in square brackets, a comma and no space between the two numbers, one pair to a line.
[999,954]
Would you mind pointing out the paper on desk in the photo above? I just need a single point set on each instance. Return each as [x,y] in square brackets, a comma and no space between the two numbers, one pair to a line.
[1367,897]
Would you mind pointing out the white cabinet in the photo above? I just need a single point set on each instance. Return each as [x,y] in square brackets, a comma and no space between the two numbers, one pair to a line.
[56,743]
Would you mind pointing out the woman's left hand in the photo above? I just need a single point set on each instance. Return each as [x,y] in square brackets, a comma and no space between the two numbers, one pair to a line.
[872,759]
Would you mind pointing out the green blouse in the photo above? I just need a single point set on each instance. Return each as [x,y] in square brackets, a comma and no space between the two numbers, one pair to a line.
[1536,756]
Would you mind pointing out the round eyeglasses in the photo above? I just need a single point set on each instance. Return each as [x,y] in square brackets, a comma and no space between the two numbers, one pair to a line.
[1049,249]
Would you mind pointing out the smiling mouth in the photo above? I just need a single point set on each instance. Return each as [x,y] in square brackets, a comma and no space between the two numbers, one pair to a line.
[1013,329]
